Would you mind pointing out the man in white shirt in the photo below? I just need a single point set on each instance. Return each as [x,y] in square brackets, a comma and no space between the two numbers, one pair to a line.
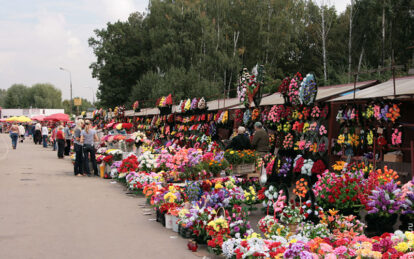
[45,133]
[22,131]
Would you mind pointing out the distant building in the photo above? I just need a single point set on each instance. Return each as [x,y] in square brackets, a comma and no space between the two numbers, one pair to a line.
[7,113]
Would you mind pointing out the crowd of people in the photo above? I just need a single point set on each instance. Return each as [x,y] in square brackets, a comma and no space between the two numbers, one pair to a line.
[61,137]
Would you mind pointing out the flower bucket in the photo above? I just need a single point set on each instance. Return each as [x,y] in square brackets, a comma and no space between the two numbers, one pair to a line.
[102,170]
[175,223]
[168,221]
[377,225]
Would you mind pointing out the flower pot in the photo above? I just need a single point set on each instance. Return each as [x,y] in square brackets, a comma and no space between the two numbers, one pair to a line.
[377,225]
[175,223]
[168,221]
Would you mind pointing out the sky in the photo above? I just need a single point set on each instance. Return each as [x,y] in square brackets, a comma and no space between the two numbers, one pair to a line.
[39,36]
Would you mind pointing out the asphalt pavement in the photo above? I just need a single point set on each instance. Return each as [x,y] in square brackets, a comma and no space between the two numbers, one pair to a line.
[46,212]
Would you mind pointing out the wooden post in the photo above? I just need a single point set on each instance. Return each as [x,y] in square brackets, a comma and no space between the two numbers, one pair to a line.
[355,82]
[412,156]
[374,150]
[393,79]
[330,128]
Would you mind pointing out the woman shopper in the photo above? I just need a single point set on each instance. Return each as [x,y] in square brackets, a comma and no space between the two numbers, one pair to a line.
[14,134]
[88,138]
[38,134]
[78,170]
[60,139]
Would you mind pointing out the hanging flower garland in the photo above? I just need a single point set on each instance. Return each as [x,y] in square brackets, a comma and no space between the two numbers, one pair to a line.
[308,90]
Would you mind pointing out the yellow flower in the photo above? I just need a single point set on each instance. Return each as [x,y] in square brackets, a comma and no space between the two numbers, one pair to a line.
[218,185]
[294,240]
[232,152]
[253,235]
[409,235]
[402,247]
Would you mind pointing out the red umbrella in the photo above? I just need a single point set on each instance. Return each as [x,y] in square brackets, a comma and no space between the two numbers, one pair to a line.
[57,117]
[38,118]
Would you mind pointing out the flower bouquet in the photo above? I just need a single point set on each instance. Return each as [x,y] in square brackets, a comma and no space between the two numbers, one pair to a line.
[385,203]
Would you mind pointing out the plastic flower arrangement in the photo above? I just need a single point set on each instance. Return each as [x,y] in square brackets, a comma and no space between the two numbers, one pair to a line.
[396,137]
[311,230]
[108,159]
[292,213]
[239,157]
[339,191]
[250,196]
[301,188]
[308,90]
[385,200]
[339,224]
[293,89]
[128,164]
[147,161]
[238,221]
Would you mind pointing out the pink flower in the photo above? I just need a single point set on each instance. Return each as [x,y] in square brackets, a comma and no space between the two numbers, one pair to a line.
[330,256]
[341,250]
[326,248]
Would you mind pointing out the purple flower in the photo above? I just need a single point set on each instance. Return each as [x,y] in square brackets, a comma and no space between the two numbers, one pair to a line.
[385,199]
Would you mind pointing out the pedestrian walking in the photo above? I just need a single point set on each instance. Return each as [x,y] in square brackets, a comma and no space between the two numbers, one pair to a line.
[38,134]
[78,167]
[53,136]
[88,137]
[45,133]
[60,140]
[22,132]
[68,136]
[14,134]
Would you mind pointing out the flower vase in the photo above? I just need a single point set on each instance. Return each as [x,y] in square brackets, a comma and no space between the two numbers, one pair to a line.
[292,228]
[377,224]
[168,221]
[175,224]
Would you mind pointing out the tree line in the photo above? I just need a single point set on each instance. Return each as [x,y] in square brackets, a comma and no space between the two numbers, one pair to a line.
[37,96]
[197,48]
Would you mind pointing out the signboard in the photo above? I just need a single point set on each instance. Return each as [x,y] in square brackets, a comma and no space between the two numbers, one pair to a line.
[77,101]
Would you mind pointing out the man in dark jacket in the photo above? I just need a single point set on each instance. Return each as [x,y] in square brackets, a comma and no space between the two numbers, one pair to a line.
[241,141]
[260,140]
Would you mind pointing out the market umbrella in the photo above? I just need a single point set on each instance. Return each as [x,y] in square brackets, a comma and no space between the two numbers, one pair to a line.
[57,117]
[12,119]
[23,119]
[38,118]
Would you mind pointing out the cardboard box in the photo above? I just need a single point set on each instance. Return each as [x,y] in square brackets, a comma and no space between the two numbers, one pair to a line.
[390,157]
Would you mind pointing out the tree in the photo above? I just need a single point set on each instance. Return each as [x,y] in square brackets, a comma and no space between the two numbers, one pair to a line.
[3,94]
[17,97]
[45,96]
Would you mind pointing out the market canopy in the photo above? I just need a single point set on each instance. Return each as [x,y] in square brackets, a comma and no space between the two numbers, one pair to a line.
[403,86]
[12,119]
[38,118]
[23,119]
[57,117]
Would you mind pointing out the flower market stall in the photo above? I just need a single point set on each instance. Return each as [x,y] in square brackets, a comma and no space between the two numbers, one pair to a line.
[311,206]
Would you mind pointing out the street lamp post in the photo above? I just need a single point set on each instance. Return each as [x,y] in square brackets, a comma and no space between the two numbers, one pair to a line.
[93,93]
[70,78]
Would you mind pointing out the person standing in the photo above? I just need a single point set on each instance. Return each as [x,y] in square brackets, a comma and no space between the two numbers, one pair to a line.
[78,169]
[260,140]
[88,137]
[38,133]
[60,140]
[68,136]
[22,131]
[45,133]
[241,141]
[53,136]
[14,134]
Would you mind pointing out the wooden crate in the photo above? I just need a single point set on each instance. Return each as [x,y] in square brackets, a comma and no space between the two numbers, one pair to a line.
[244,169]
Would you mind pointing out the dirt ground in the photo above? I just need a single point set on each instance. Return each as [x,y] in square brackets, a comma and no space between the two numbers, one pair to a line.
[46,212]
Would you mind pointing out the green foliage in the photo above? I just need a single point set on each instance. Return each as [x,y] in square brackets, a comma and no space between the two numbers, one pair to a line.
[193,48]
[37,96]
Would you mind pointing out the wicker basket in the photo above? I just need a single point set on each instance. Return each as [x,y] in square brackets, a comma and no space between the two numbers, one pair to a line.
[244,168]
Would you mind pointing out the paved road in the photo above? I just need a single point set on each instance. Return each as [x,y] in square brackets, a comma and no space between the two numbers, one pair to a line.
[46,212]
